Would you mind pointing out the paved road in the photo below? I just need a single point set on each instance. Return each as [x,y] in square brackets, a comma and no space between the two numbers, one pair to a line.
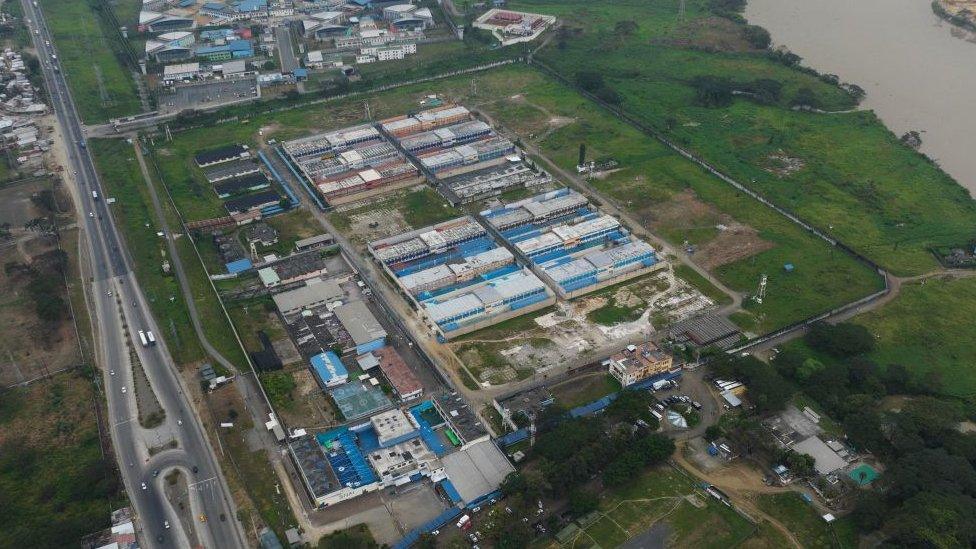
[121,310]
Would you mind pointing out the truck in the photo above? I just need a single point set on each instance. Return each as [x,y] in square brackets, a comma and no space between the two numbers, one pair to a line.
[82,144]
[150,337]
[660,384]
[143,339]
[465,522]
[95,195]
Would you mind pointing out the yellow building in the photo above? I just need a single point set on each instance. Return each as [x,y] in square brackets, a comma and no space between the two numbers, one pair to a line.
[639,362]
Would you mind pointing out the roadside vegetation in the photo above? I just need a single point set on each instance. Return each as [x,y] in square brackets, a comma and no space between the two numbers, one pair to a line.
[55,482]
[93,58]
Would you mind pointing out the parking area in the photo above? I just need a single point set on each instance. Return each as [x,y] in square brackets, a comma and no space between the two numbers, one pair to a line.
[209,93]
[691,390]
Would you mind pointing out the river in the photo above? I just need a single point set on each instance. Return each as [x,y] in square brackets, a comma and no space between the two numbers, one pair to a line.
[918,70]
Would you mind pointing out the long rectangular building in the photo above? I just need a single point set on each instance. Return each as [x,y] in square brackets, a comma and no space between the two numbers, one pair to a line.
[355,183]
[425,120]
[331,142]
[473,307]
[449,136]
[427,241]
[469,155]
[493,181]
[538,209]
[446,274]
[567,237]
[595,266]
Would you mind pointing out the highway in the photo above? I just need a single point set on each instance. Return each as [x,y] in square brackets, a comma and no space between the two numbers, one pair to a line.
[120,310]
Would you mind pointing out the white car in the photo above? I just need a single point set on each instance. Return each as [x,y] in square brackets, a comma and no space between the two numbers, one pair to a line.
[123,389]
[144,487]
[91,214]
[111,372]
[166,524]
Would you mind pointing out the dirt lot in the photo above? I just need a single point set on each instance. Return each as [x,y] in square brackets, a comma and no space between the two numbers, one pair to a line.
[30,347]
[712,34]
[721,239]
[567,337]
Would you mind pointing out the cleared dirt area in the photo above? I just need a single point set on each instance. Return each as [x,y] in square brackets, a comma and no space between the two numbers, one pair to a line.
[575,332]
[719,238]
[31,346]
[710,34]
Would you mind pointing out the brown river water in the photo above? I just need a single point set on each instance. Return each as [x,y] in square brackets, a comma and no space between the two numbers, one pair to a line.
[918,70]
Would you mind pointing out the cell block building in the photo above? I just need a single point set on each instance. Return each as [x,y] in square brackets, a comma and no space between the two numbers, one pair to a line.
[456,266]
[468,157]
[449,136]
[570,245]
[492,181]
[351,164]
[426,120]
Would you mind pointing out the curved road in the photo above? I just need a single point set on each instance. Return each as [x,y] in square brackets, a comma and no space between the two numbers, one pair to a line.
[121,310]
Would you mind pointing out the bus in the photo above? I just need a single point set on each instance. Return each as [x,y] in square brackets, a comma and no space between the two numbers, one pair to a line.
[142,338]
[452,437]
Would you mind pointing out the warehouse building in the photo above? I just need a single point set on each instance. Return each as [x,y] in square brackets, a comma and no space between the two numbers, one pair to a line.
[248,207]
[469,157]
[329,370]
[428,241]
[293,268]
[455,271]
[351,164]
[180,73]
[396,371]
[599,267]
[567,237]
[231,169]
[316,293]
[426,120]
[241,185]
[538,211]
[314,242]
[449,136]
[493,181]
[474,307]
[222,154]
[365,331]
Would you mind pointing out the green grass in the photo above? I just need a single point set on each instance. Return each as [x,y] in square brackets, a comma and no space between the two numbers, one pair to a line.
[929,328]
[806,524]
[55,485]
[657,495]
[90,53]
[122,179]
[611,313]
[420,208]
[354,537]
[858,182]
[580,391]
[650,178]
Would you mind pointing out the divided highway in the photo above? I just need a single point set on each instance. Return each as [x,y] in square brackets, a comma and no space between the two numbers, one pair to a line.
[121,310]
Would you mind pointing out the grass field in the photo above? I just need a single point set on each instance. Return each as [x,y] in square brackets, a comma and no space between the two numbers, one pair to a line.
[649,183]
[927,328]
[122,179]
[802,519]
[856,179]
[55,485]
[419,208]
[659,496]
[101,85]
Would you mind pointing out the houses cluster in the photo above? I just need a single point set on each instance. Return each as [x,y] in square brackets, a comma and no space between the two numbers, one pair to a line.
[20,106]
[392,36]
[248,193]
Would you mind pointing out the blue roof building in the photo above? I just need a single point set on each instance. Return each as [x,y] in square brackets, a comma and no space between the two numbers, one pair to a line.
[329,369]
[234,49]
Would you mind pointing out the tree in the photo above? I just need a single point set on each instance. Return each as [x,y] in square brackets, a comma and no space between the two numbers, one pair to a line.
[930,470]
[805,98]
[582,154]
[269,65]
[840,340]
[712,91]
[609,95]
[630,406]
[870,511]
[933,519]
[590,81]
[712,432]
[757,36]
[582,502]
[654,448]
[625,28]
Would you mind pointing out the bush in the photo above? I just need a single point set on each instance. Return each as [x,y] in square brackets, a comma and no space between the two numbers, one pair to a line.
[712,91]
[590,81]
[840,340]
[609,95]
[757,36]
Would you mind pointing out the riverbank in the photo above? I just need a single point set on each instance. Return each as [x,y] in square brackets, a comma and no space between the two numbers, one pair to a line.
[955,13]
